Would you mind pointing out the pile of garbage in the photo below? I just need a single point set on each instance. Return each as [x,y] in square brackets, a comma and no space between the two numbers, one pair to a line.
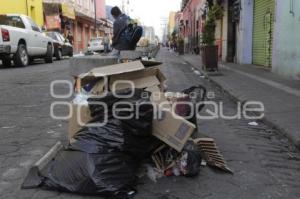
[121,120]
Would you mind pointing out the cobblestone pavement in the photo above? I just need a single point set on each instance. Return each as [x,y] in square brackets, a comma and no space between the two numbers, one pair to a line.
[265,164]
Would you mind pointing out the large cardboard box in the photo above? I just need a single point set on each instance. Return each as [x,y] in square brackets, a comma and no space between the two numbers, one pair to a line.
[133,71]
[172,129]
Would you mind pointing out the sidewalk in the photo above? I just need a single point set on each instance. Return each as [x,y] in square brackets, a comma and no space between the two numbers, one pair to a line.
[280,97]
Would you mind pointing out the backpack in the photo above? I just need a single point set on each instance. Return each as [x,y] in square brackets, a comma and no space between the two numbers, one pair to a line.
[133,34]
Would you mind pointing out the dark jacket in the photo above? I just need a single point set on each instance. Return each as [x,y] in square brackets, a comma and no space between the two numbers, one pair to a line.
[119,41]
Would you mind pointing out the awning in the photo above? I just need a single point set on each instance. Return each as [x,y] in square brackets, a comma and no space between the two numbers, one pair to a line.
[68,11]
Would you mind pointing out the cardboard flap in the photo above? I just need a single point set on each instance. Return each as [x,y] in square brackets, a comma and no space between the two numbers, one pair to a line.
[148,77]
[143,82]
[116,69]
[174,131]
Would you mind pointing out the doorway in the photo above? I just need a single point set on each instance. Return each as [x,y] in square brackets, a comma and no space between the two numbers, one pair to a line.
[231,34]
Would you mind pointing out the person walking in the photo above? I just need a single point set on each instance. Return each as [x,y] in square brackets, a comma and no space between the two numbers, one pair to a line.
[119,41]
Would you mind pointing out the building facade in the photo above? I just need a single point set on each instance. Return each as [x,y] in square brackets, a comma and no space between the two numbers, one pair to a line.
[82,19]
[171,23]
[191,24]
[258,32]
[32,8]
[149,33]
[100,9]
[178,21]
[286,42]
[267,34]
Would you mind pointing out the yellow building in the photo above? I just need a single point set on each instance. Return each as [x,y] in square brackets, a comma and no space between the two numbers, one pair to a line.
[32,8]
[171,23]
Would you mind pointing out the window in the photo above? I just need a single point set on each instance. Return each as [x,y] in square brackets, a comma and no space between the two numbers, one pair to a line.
[14,21]
[33,25]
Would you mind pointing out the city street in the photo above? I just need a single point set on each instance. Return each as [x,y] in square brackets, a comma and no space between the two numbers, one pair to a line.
[265,164]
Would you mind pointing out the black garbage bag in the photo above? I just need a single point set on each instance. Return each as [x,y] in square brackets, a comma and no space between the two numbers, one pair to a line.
[190,159]
[195,94]
[98,138]
[135,130]
[110,175]
[102,157]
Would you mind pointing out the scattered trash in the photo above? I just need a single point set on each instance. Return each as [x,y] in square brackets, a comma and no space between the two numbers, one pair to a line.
[153,173]
[211,153]
[131,194]
[203,163]
[253,123]
[170,162]
[81,99]
[190,160]
[197,72]
[102,159]
[80,54]
[8,127]
[109,144]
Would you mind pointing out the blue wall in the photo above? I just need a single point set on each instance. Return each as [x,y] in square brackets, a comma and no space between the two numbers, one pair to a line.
[286,45]
[244,33]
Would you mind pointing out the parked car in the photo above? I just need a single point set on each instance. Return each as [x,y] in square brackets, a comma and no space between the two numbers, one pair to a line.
[96,44]
[62,46]
[21,40]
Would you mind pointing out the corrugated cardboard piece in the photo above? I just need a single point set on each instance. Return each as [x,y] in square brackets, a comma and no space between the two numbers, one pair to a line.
[80,113]
[116,69]
[106,71]
[172,129]
[144,78]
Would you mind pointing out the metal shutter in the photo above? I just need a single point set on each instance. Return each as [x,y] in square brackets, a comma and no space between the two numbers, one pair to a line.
[263,26]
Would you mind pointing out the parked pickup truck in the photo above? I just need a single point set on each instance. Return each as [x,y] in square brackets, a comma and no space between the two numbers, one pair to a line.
[21,40]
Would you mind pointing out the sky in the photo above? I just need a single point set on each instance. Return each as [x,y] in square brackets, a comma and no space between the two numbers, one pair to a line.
[150,12]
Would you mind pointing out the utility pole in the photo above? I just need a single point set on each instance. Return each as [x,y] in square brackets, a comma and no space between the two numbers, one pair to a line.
[95,7]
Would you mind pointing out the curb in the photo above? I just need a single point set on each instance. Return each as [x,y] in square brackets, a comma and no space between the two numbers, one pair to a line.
[282,131]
